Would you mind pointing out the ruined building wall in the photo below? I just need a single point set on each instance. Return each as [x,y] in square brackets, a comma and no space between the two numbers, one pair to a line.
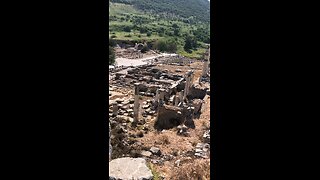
[168,117]
[197,92]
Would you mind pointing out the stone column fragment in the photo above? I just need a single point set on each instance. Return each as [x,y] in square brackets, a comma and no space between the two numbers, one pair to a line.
[205,68]
[115,108]
[136,102]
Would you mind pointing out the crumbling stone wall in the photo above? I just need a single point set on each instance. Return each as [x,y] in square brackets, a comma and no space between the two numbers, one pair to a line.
[197,92]
[197,104]
[168,117]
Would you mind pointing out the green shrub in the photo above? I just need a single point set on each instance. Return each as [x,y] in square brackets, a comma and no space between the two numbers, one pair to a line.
[127,29]
[111,55]
[166,46]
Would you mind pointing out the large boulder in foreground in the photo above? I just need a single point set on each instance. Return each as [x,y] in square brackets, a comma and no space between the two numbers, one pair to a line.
[128,169]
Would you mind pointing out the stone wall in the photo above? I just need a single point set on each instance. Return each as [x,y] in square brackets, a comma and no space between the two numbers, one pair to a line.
[168,117]
[197,92]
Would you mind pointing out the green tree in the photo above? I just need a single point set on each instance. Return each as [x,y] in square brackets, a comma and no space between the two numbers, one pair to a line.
[175,26]
[127,29]
[188,44]
[176,32]
[161,45]
[143,29]
[171,46]
[166,46]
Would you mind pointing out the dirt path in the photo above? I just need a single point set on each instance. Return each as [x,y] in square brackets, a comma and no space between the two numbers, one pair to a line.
[141,61]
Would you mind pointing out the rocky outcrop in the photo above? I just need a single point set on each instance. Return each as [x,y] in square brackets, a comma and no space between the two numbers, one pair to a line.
[129,169]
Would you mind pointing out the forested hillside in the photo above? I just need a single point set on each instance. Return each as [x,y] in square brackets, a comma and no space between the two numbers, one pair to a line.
[181,26]
[190,9]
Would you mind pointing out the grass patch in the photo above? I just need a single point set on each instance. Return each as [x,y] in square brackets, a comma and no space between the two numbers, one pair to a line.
[195,54]
[156,175]
[122,9]
[200,169]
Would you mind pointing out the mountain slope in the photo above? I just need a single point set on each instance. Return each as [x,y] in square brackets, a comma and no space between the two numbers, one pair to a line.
[193,9]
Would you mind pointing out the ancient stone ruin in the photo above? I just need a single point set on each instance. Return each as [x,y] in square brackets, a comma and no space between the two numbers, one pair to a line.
[172,98]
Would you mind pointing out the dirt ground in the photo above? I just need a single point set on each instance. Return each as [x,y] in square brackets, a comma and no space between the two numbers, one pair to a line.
[125,59]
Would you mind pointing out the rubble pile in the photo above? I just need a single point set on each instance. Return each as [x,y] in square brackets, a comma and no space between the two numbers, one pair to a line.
[202,150]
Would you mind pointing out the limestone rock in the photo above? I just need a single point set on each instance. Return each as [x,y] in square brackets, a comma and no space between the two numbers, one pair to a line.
[146,153]
[202,150]
[118,100]
[206,136]
[146,106]
[177,163]
[197,103]
[128,169]
[155,151]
